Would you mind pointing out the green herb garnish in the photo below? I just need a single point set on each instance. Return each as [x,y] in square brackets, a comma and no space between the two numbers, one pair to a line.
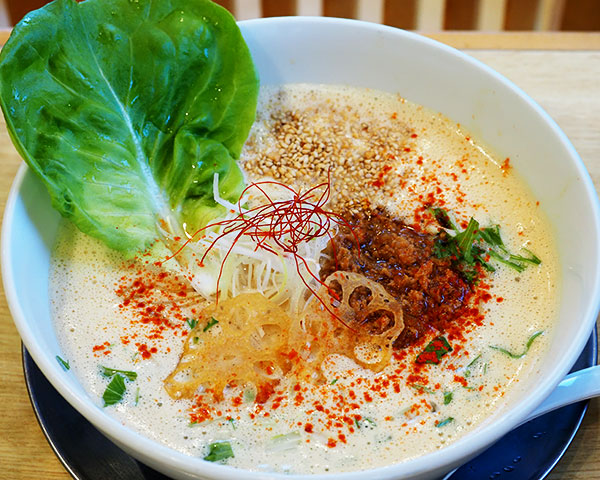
[334,381]
[63,363]
[116,388]
[469,248]
[114,391]
[434,351]
[109,372]
[447,397]
[192,322]
[443,218]
[219,451]
[444,422]
[365,422]
[212,322]
[421,388]
[473,362]
[519,355]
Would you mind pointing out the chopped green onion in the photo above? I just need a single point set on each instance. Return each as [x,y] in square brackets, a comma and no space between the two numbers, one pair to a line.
[334,382]
[109,372]
[219,451]
[519,355]
[63,363]
[212,322]
[114,391]
[137,396]
[447,397]
[444,422]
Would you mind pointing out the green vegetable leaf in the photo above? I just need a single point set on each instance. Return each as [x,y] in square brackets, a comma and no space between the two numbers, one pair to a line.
[114,391]
[434,351]
[211,323]
[126,110]
[447,397]
[109,372]
[219,451]
[63,363]
[524,352]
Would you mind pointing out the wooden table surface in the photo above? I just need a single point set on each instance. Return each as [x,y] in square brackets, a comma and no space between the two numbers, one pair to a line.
[560,71]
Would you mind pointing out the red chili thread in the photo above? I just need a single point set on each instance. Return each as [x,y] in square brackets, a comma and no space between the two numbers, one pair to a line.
[301,218]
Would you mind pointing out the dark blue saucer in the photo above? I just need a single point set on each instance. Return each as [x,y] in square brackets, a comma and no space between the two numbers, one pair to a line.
[527,453]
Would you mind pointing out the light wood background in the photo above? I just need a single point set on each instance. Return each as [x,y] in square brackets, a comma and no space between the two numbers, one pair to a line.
[560,71]
[425,15]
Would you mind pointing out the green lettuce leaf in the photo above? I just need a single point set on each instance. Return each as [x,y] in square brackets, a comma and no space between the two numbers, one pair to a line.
[126,109]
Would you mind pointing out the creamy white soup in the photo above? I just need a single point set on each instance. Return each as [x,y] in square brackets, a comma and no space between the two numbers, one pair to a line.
[374,150]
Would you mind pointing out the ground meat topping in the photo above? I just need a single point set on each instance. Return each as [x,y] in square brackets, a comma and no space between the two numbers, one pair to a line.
[433,294]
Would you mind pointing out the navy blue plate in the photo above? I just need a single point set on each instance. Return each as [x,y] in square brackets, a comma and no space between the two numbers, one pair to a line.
[527,453]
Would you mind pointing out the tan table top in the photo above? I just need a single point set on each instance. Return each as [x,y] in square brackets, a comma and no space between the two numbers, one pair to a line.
[560,71]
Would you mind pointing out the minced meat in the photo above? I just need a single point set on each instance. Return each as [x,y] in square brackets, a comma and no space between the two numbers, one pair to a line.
[393,254]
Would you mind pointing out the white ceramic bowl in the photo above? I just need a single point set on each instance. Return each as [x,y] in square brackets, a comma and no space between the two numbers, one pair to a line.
[325,50]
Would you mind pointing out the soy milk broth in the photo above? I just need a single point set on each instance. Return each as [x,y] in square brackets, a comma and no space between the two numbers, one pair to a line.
[398,420]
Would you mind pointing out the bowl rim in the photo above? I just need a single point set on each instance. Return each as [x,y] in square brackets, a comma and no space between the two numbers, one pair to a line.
[155,453]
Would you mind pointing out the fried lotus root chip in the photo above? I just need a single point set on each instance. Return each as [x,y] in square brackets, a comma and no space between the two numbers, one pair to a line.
[248,345]
[368,320]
